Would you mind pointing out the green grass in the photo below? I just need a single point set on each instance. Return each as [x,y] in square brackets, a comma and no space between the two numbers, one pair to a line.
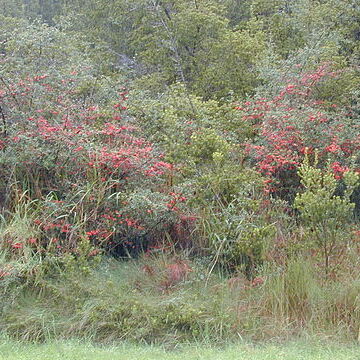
[79,351]
[119,301]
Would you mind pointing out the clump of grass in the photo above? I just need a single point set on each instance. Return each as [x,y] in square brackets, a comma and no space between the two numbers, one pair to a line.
[289,294]
[293,301]
[30,320]
[121,301]
[341,307]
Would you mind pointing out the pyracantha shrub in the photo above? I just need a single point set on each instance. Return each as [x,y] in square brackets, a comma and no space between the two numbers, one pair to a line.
[85,164]
[296,121]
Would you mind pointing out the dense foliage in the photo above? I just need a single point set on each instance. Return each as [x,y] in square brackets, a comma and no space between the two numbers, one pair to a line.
[227,132]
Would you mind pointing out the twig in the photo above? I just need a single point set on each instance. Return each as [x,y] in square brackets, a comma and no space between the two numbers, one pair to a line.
[4,133]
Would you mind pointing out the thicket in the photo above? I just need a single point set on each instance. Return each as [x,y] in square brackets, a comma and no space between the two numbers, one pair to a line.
[215,142]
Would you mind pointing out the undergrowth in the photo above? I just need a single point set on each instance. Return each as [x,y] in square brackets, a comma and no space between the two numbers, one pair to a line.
[169,300]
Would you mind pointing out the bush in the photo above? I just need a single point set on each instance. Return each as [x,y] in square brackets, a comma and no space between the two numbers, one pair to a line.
[83,169]
[296,121]
[326,216]
[237,232]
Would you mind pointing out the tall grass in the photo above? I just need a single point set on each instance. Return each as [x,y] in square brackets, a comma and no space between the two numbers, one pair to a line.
[133,301]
